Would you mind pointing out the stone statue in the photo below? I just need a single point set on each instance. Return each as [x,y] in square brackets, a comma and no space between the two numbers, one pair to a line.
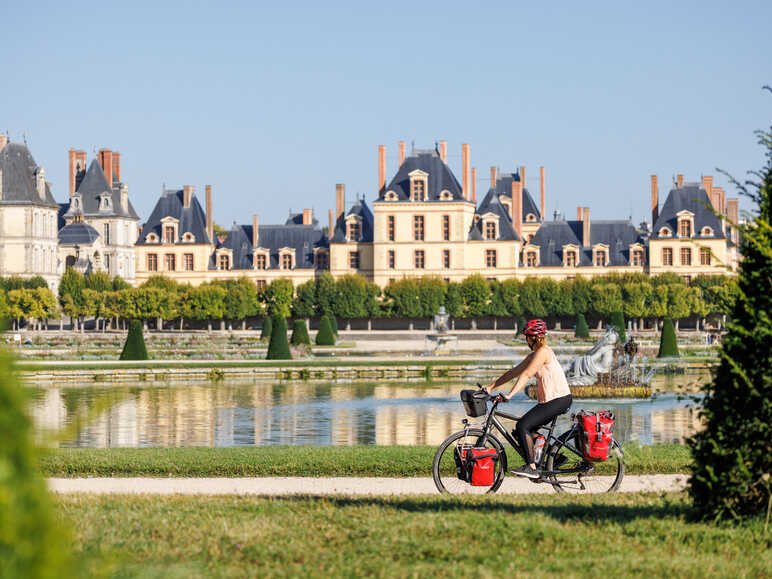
[602,359]
[441,321]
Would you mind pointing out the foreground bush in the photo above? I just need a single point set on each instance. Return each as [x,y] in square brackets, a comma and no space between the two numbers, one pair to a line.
[134,348]
[325,335]
[278,347]
[732,455]
[32,544]
[300,333]
[581,330]
[668,344]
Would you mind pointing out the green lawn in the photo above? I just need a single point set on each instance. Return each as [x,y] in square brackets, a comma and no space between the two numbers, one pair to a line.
[525,536]
[386,461]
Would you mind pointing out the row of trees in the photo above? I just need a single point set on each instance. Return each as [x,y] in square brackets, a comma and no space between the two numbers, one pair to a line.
[231,302]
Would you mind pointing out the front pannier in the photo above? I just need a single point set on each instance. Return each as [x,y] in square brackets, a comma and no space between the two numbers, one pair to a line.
[475,402]
[476,466]
[596,430]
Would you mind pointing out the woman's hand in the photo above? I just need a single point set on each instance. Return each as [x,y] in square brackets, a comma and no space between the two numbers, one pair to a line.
[501,397]
[489,387]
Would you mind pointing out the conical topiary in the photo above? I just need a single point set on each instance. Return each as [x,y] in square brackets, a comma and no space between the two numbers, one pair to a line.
[266,333]
[618,321]
[325,335]
[334,325]
[134,348]
[581,330]
[300,333]
[520,324]
[278,347]
[668,344]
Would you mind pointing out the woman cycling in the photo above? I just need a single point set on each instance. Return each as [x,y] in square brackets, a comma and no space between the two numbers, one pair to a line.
[553,393]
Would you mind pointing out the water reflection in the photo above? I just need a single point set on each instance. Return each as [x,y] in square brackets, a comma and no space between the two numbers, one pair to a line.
[309,413]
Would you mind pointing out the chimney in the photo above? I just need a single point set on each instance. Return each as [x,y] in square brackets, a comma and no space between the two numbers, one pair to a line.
[255,232]
[654,200]
[308,217]
[117,164]
[106,160]
[474,185]
[679,180]
[733,215]
[125,198]
[381,167]
[715,200]
[187,195]
[444,151]
[579,213]
[3,141]
[585,227]
[41,182]
[73,170]
[493,176]
[517,207]
[543,198]
[340,201]
[401,149]
[721,200]
[331,228]
[522,176]
[465,170]
[209,220]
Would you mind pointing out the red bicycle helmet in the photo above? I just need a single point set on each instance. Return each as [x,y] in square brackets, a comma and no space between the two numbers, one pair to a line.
[537,328]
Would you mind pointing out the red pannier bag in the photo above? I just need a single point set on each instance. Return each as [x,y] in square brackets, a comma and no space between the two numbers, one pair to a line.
[596,433]
[476,465]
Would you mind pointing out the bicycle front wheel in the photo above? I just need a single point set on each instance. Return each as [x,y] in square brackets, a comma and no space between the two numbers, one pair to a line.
[570,473]
[444,465]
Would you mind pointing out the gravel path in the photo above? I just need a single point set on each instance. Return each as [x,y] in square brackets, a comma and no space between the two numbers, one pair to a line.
[277,486]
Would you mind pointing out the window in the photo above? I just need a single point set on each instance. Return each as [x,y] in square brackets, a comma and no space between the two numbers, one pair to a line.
[107,234]
[636,258]
[392,259]
[420,259]
[286,261]
[571,259]
[107,262]
[224,261]
[261,262]
[707,231]
[152,262]
[684,228]
[188,262]
[667,256]
[599,258]
[490,258]
[664,232]
[490,230]
[446,258]
[188,237]
[704,256]
[353,231]
[686,256]
[446,227]
[168,233]
[418,227]
[353,259]
[322,260]
[530,258]
[170,262]
[261,284]
[390,228]
[418,190]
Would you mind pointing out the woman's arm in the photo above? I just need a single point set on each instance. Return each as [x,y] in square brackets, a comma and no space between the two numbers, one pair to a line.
[537,359]
[510,374]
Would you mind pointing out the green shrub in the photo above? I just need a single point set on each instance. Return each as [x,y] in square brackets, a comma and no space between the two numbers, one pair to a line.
[617,319]
[266,333]
[32,543]
[520,325]
[732,458]
[134,348]
[278,347]
[334,325]
[325,335]
[300,333]
[668,344]
[581,330]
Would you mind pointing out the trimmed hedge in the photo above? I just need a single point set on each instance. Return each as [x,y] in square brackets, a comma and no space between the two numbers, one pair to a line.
[134,348]
[325,336]
[581,330]
[300,333]
[267,328]
[278,347]
[668,344]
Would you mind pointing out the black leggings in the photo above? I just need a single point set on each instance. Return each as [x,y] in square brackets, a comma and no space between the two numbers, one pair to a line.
[538,416]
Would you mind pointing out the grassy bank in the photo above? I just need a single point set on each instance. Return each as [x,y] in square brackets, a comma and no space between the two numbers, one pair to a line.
[624,535]
[385,461]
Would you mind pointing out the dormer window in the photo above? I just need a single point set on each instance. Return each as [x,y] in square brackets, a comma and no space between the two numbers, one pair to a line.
[636,257]
[570,255]
[353,228]
[105,203]
[390,196]
[490,230]
[321,259]
[685,223]
[706,231]
[665,232]
[224,261]
[600,256]
[530,218]
[188,237]
[531,258]
[446,195]
[169,234]
[75,204]
[286,258]
[169,229]
[419,189]
[261,259]
[151,238]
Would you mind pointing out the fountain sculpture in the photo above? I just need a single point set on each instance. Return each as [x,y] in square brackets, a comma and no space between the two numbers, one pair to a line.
[440,339]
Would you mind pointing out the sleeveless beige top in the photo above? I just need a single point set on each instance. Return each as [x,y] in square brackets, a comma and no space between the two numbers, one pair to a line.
[551,380]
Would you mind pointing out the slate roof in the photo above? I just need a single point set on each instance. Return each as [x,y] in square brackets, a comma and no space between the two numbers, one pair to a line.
[492,204]
[77,234]
[191,219]
[619,235]
[302,238]
[20,177]
[91,187]
[504,187]
[297,219]
[440,177]
[691,197]
[360,208]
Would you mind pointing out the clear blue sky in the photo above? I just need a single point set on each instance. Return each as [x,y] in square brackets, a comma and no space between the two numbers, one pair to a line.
[274,103]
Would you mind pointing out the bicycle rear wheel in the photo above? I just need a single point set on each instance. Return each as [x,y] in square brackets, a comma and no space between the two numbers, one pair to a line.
[575,475]
[444,464]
